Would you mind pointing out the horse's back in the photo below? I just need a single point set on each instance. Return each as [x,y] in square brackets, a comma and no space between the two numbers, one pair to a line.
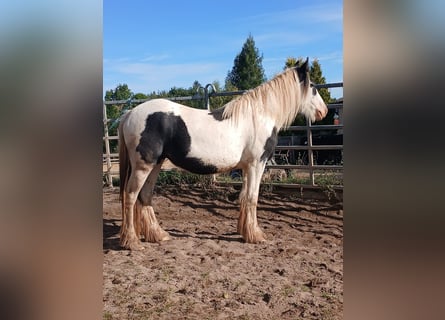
[136,120]
[155,105]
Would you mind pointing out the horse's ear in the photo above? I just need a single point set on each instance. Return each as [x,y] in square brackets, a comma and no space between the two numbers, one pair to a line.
[305,65]
[303,71]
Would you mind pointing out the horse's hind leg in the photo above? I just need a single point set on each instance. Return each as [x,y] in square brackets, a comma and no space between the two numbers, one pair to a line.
[129,238]
[151,229]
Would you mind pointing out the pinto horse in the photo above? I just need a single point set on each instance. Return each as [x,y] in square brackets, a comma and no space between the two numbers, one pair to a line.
[240,135]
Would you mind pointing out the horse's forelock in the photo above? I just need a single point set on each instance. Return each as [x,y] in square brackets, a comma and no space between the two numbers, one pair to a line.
[305,86]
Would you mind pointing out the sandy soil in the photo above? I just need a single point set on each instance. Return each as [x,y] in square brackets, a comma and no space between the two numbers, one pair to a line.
[207,272]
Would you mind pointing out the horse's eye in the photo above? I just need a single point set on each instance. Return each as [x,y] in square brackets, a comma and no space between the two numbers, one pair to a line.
[314,89]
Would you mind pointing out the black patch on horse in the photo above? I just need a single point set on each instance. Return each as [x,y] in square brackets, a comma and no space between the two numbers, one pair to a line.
[166,136]
[269,146]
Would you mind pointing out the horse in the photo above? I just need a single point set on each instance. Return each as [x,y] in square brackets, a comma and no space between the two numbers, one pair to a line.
[240,135]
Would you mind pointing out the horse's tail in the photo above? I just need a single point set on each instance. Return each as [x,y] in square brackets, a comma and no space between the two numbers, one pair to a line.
[124,165]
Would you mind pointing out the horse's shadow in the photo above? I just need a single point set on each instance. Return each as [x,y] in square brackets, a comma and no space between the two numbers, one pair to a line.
[208,205]
[111,235]
[205,235]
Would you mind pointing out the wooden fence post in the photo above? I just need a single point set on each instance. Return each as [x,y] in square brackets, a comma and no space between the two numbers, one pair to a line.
[310,152]
[109,178]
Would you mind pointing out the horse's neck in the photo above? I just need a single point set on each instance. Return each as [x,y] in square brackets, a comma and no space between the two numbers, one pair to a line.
[277,110]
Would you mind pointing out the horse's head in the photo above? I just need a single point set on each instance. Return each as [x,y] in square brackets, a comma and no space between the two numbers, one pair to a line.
[312,106]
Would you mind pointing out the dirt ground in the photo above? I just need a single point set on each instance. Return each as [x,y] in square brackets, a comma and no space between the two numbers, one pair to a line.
[207,272]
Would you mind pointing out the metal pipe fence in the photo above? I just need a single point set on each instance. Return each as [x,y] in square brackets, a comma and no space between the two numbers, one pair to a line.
[111,160]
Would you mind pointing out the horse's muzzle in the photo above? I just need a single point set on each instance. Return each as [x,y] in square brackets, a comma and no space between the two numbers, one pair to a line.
[319,114]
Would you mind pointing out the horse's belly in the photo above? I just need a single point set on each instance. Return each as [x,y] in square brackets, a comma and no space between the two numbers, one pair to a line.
[206,163]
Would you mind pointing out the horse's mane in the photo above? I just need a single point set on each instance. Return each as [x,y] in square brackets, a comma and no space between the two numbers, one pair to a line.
[278,99]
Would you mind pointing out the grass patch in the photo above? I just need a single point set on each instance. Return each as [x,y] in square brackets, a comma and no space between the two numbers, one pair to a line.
[176,177]
[326,180]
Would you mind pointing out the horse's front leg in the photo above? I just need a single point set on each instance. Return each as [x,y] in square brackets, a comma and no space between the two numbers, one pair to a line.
[248,223]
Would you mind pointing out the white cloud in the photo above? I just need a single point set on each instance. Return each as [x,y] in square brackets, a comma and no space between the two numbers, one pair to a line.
[281,39]
[156,57]
[147,77]
[336,56]
[325,13]
[168,70]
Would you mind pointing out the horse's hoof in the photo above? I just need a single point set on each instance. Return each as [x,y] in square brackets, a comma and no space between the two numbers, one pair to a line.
[156,236]
[257,241]
[134,245]
[166,238]
[257,237]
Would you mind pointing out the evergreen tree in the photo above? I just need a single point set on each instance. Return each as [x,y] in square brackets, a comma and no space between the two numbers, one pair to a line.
[292,62]
[247,71]
[318,78]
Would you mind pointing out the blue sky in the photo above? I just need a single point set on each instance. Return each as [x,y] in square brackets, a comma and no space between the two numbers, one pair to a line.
[156,45]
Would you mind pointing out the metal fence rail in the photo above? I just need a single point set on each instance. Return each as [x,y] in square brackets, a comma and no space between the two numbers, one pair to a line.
[110,160]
